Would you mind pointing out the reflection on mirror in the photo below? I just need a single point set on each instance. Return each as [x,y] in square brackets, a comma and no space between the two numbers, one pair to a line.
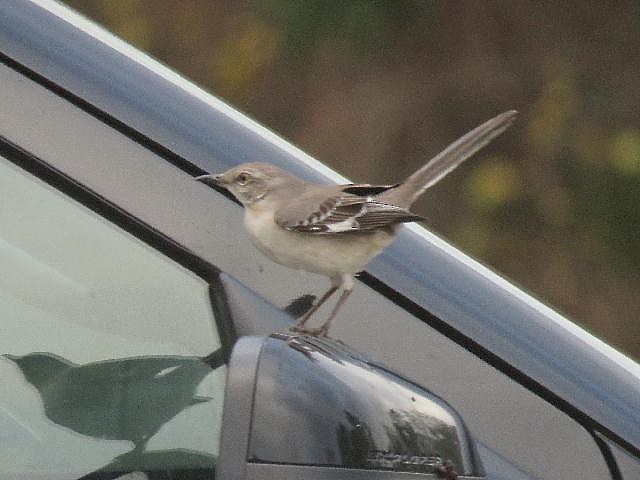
[333,407]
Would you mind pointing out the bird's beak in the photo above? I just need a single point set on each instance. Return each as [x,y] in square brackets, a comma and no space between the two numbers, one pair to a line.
[211,180]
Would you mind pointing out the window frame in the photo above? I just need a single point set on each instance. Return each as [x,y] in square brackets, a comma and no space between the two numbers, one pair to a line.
[134,226]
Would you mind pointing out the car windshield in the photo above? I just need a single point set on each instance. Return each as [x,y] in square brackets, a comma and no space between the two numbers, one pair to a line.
[110,347]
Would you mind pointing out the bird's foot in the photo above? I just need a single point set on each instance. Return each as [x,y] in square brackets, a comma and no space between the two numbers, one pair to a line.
[319,332]
[299,329]
[315,332]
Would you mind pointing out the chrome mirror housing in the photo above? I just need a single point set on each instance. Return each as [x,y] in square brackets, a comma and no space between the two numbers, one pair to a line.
[297,406]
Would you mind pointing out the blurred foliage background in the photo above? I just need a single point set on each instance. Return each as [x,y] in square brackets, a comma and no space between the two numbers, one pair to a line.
[374,88]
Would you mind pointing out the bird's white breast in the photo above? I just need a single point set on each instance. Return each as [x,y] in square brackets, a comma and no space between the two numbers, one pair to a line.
[325,254]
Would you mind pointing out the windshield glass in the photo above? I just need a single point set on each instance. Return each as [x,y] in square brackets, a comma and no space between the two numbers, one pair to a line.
[110,349]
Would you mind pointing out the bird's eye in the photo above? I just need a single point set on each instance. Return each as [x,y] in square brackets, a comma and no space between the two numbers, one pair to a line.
[242,178]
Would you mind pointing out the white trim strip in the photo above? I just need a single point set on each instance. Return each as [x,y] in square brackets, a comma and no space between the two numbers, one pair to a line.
[571,328]
[99,33]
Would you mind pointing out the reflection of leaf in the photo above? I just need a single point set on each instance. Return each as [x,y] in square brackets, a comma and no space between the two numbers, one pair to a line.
[125,399]
[410,434]
[356,442]
[183,464]
[415,433]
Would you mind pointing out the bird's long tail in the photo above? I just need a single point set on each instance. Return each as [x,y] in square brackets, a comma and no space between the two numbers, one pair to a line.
[443,163]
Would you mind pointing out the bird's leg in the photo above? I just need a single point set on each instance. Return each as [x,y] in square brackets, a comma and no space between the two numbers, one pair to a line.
[347,285]
[299,326]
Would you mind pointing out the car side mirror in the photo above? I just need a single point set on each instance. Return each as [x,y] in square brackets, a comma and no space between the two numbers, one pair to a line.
[302,407]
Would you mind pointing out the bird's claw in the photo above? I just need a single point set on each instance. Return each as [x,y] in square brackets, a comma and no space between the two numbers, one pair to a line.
[298,329]
[315,332]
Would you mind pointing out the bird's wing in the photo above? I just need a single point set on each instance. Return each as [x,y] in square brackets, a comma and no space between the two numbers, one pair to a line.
[342,209]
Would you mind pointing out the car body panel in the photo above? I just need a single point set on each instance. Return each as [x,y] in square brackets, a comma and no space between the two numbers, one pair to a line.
[113,166]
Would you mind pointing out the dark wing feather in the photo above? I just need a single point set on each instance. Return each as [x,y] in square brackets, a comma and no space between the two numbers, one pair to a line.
[366,190]
[342,212]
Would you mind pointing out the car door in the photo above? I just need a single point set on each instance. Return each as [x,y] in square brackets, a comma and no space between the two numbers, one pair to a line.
[62,150]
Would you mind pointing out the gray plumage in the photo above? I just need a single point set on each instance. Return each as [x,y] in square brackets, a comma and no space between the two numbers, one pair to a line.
[335,230]
[348,209]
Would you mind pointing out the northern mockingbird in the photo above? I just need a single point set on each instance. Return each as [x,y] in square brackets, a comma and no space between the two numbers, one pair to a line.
[335,230]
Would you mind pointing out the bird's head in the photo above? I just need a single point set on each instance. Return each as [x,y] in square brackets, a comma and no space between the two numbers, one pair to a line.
[39,368]
[250,182]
